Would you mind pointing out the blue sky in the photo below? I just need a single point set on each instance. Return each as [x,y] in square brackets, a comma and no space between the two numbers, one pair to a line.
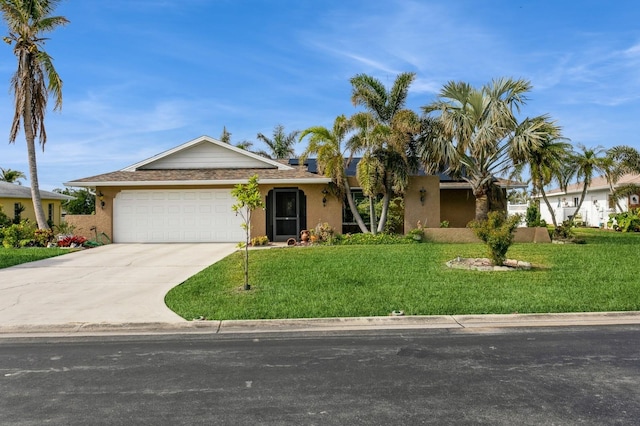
[143,76]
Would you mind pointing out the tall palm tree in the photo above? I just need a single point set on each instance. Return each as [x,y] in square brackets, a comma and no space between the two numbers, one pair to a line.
[225,136]
[587,163]
[34,80]
[11,176]
[479,135]
[326,145]
[281,145]
[389,155]
[546,162]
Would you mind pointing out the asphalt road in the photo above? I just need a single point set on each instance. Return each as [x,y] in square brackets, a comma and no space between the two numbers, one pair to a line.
[552,376]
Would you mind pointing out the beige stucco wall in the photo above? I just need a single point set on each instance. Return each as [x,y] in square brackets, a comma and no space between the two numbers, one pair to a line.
[428,213]
[102,220]
[466,235]
[7,205]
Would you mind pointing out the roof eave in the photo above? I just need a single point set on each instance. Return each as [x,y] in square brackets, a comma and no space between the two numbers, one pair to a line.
[225,182]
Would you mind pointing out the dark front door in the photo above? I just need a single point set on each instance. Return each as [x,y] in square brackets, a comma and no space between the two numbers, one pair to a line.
[286,214]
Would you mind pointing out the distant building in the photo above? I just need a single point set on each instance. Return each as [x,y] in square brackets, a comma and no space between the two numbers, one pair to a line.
[15,201]
[596,206]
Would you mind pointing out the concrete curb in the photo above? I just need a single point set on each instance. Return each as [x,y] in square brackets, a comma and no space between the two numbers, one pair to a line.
[324,324]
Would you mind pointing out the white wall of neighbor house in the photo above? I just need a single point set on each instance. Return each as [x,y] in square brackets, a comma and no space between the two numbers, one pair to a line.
[595,208]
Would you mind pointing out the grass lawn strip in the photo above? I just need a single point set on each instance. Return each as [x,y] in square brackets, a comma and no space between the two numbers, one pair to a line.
[12,257]
[347,281]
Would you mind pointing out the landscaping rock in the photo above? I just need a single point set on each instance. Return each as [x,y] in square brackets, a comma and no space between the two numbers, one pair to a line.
[484,264]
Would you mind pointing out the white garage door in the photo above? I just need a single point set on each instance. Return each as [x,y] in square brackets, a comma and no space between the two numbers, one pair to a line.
[168,216]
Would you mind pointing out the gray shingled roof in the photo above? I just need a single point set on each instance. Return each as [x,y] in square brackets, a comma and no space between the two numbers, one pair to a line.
[199,175]
[11,190]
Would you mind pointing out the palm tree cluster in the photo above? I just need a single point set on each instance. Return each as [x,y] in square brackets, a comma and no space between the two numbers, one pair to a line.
[474,134]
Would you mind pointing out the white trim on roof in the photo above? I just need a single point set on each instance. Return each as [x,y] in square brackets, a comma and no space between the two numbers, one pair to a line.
[204,138]
[200,182]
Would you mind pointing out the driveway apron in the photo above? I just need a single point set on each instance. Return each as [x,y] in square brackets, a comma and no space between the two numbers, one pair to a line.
[116,283]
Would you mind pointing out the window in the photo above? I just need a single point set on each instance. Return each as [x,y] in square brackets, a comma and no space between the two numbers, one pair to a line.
[50,215]
[576,200]
[347,215]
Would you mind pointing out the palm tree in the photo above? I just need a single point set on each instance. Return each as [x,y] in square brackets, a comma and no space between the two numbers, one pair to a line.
[587,163]
[281,145]
[11,176]
[225,136]
[546,163]
[479,136]
[619,161]
[387,138]
[326,145]
[34,80]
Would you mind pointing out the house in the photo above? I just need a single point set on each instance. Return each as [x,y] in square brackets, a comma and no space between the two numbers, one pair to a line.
[184,195]
[16,203]
[596,206]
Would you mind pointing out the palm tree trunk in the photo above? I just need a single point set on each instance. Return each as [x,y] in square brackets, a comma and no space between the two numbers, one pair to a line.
[584,194]
[546,201]
[385,211]
[482,203]
[33,167]
[354,209]
[372,215]
[617,200]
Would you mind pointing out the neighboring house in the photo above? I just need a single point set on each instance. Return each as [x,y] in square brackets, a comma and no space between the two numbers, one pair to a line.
[15,201]
[596,206]
[184,195]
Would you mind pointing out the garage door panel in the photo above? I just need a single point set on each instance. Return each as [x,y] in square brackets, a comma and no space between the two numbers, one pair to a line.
[176,216]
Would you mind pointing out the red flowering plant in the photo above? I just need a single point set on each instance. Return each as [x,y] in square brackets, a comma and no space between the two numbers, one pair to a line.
[72,241]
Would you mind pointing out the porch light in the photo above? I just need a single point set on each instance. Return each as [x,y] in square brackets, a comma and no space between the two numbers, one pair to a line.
[101,198]
[423,194]
[324,197]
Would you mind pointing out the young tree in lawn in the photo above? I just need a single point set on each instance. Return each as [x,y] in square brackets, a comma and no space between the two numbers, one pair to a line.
[34,80]
[249,199]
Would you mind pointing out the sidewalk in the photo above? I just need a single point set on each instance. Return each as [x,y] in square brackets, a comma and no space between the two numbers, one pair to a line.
[455,322]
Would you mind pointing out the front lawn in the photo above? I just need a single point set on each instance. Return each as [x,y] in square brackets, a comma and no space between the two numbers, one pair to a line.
[346,281]
[12,257]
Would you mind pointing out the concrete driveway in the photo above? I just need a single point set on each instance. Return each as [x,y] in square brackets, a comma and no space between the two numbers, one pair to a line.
[116,283]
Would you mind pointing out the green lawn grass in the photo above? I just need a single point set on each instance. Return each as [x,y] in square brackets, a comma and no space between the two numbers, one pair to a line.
[12,257]
[345,281]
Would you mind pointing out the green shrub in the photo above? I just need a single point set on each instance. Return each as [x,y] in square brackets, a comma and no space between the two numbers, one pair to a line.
[262,240]
[371,239]
[444,224]
[532,217]
[323,233]
[395,214]
[497,233]
[18,235]
[42,237]
[564,231]
[4,219]
[625,221]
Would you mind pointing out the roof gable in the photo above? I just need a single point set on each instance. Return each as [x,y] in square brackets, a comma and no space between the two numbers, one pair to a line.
[206,153]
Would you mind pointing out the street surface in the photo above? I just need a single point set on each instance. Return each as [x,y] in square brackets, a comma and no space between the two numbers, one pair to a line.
[534,376]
